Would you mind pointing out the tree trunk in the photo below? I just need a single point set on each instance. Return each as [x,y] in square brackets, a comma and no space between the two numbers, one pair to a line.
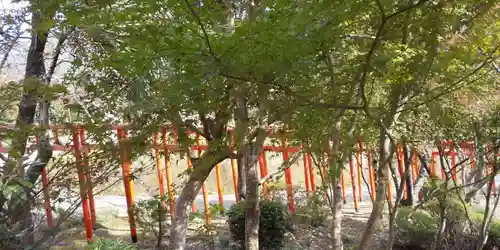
[488,210]
[336,206]
[33,75]
[252,209]
[479,181]
[201,170]
[242,179]
[336,227]
[33,79]
[178,232]
[382,180]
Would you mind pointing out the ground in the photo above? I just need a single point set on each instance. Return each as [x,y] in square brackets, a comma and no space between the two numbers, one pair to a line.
[302,236]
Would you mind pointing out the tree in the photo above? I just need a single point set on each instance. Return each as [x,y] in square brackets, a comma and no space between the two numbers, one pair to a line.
[415,66]
[36,92]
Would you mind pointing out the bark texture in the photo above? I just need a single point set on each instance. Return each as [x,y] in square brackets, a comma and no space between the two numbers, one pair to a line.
[336,205]
[180,223]
[381,188]
[201,170]
[34,72]
[252,208]
[336,227]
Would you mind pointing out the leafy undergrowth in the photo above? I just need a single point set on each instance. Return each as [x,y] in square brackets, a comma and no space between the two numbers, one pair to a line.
[103,244]
[418,227]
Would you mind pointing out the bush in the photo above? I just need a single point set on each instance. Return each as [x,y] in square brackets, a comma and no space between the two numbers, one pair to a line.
[274,221]
[494,235]
[493,241]
[314,211]
[415,227]
[101,244]
[436,195]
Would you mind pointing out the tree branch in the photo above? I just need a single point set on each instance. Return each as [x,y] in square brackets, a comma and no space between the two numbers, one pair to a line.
[205,34]
[383,22]
[8,50]
[57,53]
[207,125]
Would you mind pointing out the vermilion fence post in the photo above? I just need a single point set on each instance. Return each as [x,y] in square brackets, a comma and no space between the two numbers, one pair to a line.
[433,164]
[159,172]
[389,191]
[342,182]
[306,174]
[128,182]
[88,178]
[414,167]
[360,173]
[46,194]
[311,172]
[288,179]
[82,183]
[263,171]
[168,172]
[220,191]
[353,183]
[234,168]
[372,176]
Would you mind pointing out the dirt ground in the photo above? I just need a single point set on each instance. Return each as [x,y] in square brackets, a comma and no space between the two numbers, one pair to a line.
[302,236]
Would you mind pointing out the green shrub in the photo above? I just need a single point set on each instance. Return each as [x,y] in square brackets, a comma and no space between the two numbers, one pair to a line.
[415,227]
[274,221]
[149,215]
[313,211]
[494,235]
[102,244]
[493,241]
[437,195]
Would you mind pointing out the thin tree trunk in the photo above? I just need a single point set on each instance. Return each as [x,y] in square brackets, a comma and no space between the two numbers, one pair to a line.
[336,205]
[393,213]
[178,232]
[9,48]
[382,180]
[442,226]
[201,170]
[488,211]
[336,228]
[479,169]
